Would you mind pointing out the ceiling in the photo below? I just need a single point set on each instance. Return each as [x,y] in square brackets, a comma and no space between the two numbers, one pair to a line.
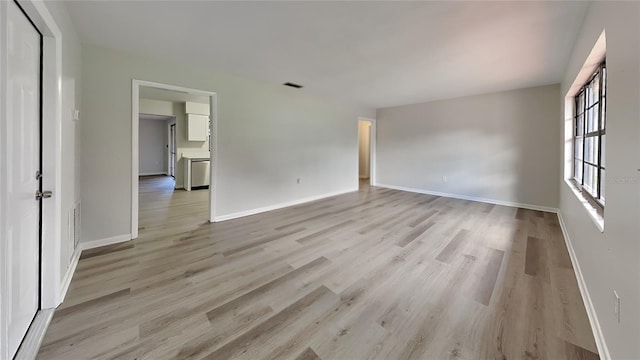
[374,54]
[153,93]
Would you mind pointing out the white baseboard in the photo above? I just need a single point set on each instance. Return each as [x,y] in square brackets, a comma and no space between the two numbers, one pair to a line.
[152,173]
[64,287]
[472,198]
[104,242]
[279,206]
[35,335]
[603,350]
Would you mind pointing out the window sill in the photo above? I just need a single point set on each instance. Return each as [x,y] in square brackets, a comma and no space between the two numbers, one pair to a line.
[593,212]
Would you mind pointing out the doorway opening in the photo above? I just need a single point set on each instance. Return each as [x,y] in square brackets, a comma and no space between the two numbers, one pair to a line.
[366,152]
[174,151]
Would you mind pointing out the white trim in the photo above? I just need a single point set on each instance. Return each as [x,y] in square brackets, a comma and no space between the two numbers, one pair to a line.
[153,173]
[135,120]
[35,335]
[213,154]
[66,281]
[373,150]
[280,206]
[104,242]
[601,344]
[472,198]
[169,124]
[135,155]
[597,219]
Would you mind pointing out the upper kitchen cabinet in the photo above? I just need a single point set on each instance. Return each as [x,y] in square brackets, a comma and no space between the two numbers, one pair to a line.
[197,127]
[197,121]
[196,108]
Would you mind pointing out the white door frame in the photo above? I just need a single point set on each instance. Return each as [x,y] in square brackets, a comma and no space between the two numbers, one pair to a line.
[51,241]
[135,106]
[372,151]
[169,162]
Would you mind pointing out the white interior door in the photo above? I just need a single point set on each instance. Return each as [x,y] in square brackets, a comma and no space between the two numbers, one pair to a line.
[21,161]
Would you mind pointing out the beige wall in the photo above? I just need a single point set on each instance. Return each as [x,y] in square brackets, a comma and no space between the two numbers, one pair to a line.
[364,148]
[269,135]
[610,260]
[502,146]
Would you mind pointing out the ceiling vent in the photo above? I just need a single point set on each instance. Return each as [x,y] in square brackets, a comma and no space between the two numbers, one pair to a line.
[292,85]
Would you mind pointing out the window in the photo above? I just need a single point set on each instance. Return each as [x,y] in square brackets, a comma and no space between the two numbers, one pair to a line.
[589,136]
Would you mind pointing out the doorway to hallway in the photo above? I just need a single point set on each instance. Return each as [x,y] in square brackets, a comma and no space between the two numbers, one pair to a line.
[366,152]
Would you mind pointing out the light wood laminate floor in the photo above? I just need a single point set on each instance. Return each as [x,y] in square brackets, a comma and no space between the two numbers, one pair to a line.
[374,274]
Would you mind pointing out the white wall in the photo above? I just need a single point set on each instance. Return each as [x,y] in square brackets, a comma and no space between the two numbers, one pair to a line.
[153,147]
[611,260]
[71,99]
[502,146]
[269,135]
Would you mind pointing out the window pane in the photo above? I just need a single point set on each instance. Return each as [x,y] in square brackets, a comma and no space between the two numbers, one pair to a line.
[591,95]
[603,112]
[591,149]
[590,180]
[577,152]
[604,147]
[604,81]
[577,170]
[580,106]
[580,125]
[592,118]
[595,85]
[602,184]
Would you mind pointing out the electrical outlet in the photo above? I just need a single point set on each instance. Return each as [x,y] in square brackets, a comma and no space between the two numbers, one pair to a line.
[616,305]
[444,178]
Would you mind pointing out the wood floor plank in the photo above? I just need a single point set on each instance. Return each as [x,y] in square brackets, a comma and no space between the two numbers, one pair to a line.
[308,354]
[534,252]
[453,247]
[271,326]
[373,274]
[489,277]
[423,217]
[414,234]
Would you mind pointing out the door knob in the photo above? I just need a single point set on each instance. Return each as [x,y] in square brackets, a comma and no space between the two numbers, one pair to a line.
[43,194]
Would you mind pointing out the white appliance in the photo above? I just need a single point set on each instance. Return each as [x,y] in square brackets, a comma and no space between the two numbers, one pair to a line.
[199,173]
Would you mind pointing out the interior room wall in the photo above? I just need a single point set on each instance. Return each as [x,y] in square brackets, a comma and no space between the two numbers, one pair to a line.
[269,136]
[501,146]
[152,147]
[609,260]
[71,129]
[364,146]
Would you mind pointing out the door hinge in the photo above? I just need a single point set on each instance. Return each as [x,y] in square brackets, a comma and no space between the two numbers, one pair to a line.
[38,175]
[43,195]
